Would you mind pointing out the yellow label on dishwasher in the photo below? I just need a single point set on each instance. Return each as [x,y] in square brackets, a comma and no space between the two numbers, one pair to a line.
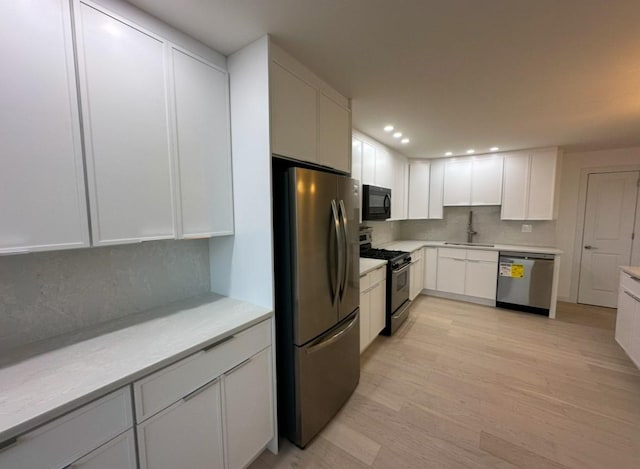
[517,270]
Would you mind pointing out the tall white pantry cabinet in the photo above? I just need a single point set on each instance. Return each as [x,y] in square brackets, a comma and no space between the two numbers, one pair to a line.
[155,119]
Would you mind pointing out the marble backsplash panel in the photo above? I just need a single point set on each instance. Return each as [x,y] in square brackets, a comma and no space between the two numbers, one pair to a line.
[383,231]
[486,221]
[51,293]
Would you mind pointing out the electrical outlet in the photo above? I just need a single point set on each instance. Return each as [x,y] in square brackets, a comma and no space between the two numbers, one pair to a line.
[527,228]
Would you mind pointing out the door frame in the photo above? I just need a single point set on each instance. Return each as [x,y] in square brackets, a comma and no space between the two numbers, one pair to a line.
[581,211]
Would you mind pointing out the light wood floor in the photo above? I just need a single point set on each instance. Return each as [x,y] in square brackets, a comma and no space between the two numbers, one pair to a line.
[461,385]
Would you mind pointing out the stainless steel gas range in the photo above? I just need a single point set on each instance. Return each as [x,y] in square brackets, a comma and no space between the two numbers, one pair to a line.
[398,262]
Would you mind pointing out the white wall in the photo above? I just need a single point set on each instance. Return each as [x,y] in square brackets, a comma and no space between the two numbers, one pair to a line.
[242,264]
[575,168]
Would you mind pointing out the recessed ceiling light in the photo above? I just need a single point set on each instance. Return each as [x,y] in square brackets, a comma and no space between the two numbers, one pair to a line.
[449,153]
[405,140]
[494,149]
[397,135]
[470,151]
[388,128]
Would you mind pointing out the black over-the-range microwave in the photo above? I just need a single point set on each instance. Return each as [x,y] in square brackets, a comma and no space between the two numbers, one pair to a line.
[376,202]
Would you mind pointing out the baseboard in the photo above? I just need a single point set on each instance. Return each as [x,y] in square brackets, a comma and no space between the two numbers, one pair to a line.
[457,297]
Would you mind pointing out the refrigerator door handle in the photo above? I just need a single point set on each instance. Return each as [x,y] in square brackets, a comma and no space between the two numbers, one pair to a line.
[325,342]
[346,253]
[338,272]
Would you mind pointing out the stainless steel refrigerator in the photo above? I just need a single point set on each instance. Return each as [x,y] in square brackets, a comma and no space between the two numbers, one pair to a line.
[316,218]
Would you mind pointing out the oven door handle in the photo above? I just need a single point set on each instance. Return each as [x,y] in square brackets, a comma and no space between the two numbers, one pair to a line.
[338,272]
[406,266]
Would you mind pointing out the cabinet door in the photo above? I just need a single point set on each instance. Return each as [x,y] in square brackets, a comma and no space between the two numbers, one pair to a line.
[248,410]
[378,309]
[186,434]
[436,189]
[334,134]
[119,453]
[542,185]
[481,279]
[625,319]
[123,83]
[419,182]
[413,277]
[515,191]
[420,275]
[457,183]
[42,192]
[634,333]
[356,168]
[384,170]
[486,181]
[430,268]
[451,275]
[294,121]
[399,187]
[365,319]
[368,164]
[203,147]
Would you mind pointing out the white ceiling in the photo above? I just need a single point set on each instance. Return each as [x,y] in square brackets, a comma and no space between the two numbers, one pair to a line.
[452,74]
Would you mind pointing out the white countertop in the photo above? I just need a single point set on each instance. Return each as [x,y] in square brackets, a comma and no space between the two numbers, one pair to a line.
[71,371]
[412,245]
[632,270]
[367,265]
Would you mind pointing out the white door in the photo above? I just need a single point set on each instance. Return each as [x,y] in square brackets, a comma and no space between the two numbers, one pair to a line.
[436,189]
[356,168]
[365,319]
[457,183]
[384,171]
[430,268]
[451,275]
[377,297]
[248,410]
[186,434]
[607,237]
[399,187]
[203,147]
[419,190]
[334,134]
[481,279]
[42,192]
[486,181]
[368,164]
[122,73]
[515,190]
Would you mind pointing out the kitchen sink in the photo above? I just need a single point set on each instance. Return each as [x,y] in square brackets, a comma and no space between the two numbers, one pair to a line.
[482,245]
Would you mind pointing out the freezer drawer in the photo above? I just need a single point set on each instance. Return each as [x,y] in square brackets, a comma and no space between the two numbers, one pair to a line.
[327,372]
[525,282]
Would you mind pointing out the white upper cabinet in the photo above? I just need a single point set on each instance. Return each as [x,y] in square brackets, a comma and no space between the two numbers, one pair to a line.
[530,185]
[399,187]
[486,181]
[42,191]
[436,189]
[122,73]
[457,182]
[294,119]
[203,150]
[356,167]
[419,182]
[334,134]
[310,121]
[384,169]
[368,164]
[473,181]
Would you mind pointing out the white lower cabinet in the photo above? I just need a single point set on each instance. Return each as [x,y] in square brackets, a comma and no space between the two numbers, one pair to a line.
[213,409]
[373,296]
[416,274]
[628,317]
[77,438]
[467,272]
[430,268]
[187,434]
[118,453]
[248,409]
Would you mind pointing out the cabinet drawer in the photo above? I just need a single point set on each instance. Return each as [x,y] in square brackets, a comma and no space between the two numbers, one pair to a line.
[163,388]
[452,253]
[377,275]
[65,440]
[629,283]
[477,255]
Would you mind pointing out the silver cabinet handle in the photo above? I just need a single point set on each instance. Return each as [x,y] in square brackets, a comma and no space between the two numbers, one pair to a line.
[239,365]
[588,246]
[215,344]
[201,389]
[631,295]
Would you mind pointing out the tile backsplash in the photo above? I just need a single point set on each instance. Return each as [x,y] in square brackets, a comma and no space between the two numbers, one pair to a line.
[51,293]
[486,222]
[383,231]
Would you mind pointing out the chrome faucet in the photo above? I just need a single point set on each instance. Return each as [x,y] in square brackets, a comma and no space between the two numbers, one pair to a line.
[470,232]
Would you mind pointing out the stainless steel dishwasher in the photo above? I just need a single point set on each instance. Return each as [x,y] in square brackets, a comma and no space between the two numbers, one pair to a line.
[525,281]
